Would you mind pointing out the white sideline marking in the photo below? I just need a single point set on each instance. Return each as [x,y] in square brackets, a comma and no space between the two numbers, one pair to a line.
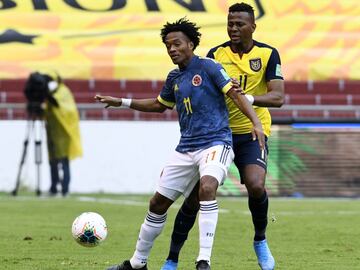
[128,202]
[221,210]
[112,201]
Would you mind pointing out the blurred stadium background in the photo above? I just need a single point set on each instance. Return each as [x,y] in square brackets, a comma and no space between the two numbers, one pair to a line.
[114,48]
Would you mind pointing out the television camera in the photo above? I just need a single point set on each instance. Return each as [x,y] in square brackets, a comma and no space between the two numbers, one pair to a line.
[39,88]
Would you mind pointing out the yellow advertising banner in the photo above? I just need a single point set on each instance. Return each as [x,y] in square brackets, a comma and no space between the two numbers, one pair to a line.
[120,39]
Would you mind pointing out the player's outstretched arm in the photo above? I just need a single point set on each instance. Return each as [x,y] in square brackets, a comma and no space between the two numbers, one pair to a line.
[143,105]
[244,105]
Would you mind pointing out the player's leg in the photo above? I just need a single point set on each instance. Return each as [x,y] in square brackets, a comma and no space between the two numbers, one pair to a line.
[254,178]
[184,221]
[208,217]
[151,228]
[174,180]
[252,165]
[214,164]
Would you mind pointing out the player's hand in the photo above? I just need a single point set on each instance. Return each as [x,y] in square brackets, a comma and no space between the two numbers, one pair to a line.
[237,87]
[257,132]
[109,101]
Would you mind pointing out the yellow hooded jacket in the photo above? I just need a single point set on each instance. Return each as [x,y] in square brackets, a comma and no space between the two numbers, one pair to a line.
[62,126]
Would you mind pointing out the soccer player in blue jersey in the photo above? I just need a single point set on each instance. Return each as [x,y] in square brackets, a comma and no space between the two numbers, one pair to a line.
[258,68]
[204,152]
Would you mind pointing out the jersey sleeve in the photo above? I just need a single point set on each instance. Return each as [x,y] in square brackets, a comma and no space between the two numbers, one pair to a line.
[273,68]
[210,54]
[166,96]
[218,75]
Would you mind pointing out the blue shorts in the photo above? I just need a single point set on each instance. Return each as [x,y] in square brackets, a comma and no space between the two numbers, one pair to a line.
[248,152]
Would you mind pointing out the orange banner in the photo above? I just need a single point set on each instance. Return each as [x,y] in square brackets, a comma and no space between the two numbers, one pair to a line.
[119,39]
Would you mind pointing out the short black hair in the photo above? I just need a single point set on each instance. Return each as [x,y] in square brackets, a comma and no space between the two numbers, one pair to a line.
[183,25]
[243,7]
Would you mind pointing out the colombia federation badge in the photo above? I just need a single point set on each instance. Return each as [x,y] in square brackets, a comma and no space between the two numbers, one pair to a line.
[196,80]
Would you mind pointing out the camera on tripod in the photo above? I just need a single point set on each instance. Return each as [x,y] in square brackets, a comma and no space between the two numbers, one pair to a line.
[39,88]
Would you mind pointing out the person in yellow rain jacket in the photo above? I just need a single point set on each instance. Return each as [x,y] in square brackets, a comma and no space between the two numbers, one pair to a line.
[63,132]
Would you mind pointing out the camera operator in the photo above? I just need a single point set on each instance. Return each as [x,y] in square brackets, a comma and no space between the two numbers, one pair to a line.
[51,100]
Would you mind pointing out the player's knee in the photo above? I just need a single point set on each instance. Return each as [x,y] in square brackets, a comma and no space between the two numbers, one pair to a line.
[255,189]
[159,204]
[207,190]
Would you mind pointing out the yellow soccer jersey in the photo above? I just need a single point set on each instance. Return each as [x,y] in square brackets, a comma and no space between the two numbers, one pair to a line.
[253,70]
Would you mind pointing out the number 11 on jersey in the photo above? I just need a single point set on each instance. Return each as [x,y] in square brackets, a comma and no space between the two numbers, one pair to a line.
[187,103]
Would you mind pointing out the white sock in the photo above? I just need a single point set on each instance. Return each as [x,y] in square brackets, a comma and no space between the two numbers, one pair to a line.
[150,229]
[208,217]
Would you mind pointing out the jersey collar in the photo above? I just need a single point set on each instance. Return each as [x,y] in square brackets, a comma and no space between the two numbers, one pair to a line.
[192,62]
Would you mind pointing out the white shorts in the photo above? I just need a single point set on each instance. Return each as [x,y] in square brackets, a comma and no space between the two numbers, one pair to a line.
[184,170]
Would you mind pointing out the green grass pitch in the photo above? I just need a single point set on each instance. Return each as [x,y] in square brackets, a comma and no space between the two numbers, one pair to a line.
[303,233]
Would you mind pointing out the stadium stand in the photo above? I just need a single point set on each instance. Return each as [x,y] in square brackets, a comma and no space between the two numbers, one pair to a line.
[304,101]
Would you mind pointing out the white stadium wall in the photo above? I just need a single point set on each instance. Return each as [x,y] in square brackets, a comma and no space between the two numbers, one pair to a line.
[127,157]
[119,156]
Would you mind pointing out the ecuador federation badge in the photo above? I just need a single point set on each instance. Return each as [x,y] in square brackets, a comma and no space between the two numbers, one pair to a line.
[255,64]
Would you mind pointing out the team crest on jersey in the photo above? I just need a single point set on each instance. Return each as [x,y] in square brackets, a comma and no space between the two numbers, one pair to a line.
[255,64]
[196,80]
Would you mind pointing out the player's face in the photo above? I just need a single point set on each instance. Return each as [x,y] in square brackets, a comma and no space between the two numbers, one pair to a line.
[240,27]
[179,48]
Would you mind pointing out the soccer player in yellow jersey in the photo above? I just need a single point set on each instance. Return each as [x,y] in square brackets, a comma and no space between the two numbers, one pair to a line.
[257,67]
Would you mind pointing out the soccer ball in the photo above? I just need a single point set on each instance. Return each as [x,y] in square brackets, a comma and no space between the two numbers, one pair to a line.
[89,229]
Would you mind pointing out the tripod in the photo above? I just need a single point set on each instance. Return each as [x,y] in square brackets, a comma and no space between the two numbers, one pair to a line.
[34,125]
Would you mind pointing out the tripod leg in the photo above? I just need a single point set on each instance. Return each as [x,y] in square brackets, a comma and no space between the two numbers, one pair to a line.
[38,154]
[23,158]
[17,185]
[38,162]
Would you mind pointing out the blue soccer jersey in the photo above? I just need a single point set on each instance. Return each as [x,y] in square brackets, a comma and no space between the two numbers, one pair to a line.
[198,93]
